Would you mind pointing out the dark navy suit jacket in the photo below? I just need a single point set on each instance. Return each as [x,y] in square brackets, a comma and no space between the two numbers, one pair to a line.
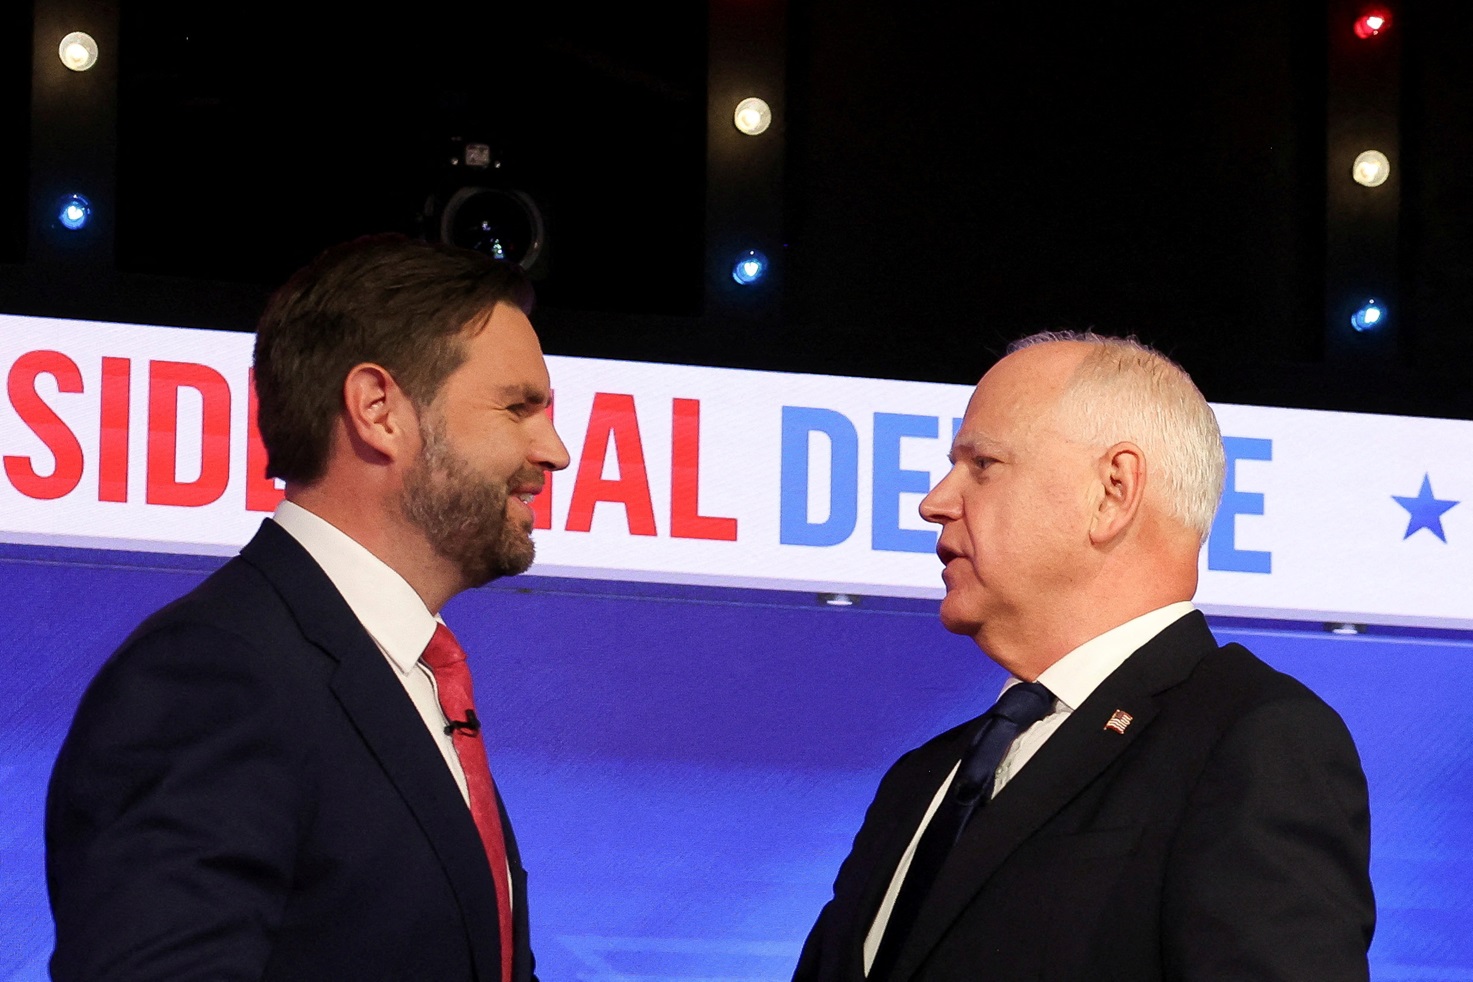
[1223,835]
[247,793]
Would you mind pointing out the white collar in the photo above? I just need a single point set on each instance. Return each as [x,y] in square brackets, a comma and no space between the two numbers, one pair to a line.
[1072,678]
[382,600]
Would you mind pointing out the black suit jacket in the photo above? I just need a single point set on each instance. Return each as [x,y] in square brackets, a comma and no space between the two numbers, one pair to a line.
[247,793]
[1223,836]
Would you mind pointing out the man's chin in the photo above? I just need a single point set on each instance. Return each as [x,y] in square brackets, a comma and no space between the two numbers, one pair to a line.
[518,564]
[956,619]
[516,554]
[511,555]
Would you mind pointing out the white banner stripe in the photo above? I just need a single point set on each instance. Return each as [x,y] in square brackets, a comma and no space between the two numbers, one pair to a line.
[136,437]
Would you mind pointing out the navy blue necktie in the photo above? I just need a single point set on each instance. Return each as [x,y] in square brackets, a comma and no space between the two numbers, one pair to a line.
[1019,708]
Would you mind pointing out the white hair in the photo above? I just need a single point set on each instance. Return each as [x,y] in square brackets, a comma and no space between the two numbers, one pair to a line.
[1124,390]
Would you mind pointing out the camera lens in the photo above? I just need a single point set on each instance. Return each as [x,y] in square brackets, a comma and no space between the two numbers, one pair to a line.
[502,224]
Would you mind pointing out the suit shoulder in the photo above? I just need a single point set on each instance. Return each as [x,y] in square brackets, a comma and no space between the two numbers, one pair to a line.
[235,601]
[225,655]
[1235,671]
[1252,700]
[232,633]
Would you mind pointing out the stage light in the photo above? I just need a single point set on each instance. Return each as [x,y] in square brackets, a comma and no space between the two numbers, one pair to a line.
[504,224]
[1370,316]
[1371,168]
[752,116]
[750,268]
[75,212]
[1372,22]
[78,51]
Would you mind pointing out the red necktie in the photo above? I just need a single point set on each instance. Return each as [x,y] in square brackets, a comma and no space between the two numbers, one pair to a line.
[453,681]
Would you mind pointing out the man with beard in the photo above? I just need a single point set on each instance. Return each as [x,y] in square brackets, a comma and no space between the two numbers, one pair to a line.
[281,775]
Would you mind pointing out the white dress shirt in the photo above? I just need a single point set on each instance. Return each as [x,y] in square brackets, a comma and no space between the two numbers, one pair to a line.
[1071,679]
[389,610]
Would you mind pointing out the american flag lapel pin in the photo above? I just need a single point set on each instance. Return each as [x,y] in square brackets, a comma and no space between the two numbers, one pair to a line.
[1118,721]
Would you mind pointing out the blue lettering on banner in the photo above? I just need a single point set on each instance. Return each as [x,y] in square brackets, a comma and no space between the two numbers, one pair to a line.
[890,482]
[1222,550]
[794,528]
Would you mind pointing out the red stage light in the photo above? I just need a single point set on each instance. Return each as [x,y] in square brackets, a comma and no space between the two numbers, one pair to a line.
[1372,22]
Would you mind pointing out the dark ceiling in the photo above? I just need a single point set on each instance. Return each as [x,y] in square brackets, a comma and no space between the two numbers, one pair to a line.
[950,180]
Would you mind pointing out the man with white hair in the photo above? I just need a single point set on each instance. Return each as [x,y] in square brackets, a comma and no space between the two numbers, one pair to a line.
[1140,804]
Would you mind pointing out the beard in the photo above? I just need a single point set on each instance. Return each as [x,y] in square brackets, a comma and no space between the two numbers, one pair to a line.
[462,514]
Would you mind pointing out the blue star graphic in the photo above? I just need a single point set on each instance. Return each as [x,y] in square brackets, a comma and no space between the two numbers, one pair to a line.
[1425,510]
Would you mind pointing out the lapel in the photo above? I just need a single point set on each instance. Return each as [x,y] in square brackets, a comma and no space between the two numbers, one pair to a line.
[901,818]
[1074,756]
[385,719]
[521,954]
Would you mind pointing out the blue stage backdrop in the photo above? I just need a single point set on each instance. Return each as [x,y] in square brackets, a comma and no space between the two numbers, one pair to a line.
[686,766]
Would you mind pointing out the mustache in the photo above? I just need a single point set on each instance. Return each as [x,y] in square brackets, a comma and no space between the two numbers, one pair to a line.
[532,480]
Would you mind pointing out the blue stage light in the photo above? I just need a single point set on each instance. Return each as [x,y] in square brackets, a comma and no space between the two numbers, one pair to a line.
[1369,317]
[75,212]
[750,268]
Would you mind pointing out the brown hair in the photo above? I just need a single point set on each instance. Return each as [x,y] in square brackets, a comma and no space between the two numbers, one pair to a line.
[400,303]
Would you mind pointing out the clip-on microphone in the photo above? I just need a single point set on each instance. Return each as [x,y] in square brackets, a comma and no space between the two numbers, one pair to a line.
[470,724]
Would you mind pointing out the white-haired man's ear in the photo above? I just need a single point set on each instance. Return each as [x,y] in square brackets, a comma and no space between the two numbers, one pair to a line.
[1121,472]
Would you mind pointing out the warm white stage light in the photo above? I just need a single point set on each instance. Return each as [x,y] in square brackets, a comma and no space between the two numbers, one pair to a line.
[752,116]
[1371,168]
[78,51]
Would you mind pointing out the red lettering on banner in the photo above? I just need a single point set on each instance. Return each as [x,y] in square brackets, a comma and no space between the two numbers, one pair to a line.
[613,418]
[542,504]
[43,421]
[261,492]
[112,430]
[686,522]
[165,379]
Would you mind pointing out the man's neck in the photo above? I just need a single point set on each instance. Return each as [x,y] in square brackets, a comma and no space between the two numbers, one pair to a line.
[384,532]
[1027,654]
